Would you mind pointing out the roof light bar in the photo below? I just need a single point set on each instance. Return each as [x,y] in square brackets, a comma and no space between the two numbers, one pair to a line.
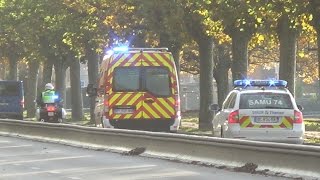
[268,83]
[121,49]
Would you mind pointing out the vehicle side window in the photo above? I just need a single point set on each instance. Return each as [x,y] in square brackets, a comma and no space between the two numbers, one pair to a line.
[226,102]
[9,89]
[232,101]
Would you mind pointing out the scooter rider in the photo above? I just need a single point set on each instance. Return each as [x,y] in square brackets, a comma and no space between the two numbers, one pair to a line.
[49,96]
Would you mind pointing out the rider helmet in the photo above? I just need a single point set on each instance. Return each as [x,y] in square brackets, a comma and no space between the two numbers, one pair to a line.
[49,86]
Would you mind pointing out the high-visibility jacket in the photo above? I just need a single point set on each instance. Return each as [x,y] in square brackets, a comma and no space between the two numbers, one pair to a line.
[49,96]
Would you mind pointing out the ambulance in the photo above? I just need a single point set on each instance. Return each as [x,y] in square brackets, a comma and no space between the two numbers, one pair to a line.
[138,89]
[262,110]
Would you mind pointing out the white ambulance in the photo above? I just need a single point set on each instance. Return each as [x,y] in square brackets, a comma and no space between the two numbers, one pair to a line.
[262,110]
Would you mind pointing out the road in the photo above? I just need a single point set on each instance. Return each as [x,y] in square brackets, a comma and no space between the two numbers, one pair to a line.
[26,159]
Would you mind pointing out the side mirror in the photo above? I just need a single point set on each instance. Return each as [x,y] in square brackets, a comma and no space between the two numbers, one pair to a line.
[91,90]
[300,107]
[214,107]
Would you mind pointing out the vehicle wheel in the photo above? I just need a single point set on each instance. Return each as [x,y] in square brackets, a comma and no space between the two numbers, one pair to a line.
[42,120]
[60,120]
[221,132]
[102,124]
[20,117]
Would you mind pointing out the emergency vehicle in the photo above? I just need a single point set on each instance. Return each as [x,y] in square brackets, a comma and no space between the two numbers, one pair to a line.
[138,89]
[262,110]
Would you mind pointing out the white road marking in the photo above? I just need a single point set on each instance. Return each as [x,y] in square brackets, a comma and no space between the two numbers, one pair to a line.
[4,141]
[8,147]
[47,159]
[74,178]
[31,154]
[54,172]
[75,170]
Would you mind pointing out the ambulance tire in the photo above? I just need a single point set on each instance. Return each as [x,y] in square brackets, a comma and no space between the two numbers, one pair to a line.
[213,133]
[221,132]
[102,124]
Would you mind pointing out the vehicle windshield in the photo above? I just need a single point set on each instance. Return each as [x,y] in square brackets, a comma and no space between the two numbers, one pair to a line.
[9,89]
[265,101]
[157,81]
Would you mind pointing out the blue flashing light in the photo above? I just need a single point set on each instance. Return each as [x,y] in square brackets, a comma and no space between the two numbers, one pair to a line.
[121,49]
[109,51]
[268,83]
[55,97]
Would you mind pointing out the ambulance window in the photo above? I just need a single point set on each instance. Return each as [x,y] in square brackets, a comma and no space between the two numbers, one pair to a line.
[9,89]
[126,79]
[232,101]
[157,81]
[225,103]
[265,101]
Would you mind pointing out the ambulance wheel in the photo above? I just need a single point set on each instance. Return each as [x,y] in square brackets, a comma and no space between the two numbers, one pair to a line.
[221,132]
[60,120]
[102,124]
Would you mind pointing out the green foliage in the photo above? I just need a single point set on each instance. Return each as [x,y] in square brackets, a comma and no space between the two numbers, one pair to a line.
[68,24]
[312,126]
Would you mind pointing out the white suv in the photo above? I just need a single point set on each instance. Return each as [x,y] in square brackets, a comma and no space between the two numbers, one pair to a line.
[262,110]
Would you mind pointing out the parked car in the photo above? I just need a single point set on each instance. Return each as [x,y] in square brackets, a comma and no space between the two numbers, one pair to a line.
[260,110]
[11,99]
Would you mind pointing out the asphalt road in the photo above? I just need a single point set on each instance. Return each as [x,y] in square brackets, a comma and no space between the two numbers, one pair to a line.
[26,159]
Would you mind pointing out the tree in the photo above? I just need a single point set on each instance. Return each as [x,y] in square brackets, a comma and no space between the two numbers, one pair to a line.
[240,19]
[314,9]
[198,30]
[31,92]
[290,14]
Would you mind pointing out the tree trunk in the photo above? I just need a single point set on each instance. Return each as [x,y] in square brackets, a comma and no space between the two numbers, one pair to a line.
[206,83]
[173,46]
[288,48]
[76,93]
[139,40]
[93,62]
[13,66]
[31,92]
[239,67]
[176,56]
[47,72]
[314,9]
[40,78]
[222,65]
[3,71]
[60,68]
[318,49]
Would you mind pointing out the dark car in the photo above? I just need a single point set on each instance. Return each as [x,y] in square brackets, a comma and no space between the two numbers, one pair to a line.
[11,99]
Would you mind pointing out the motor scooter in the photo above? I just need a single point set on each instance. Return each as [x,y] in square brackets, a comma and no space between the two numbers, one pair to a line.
[51,113]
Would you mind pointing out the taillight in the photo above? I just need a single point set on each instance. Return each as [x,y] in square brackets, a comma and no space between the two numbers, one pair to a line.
[51,108]
[298,118]
[233,117]
[22,103]
[177,105]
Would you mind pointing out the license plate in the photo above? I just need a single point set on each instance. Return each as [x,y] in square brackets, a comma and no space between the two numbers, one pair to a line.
[123,111]
[266,119]
[50,113]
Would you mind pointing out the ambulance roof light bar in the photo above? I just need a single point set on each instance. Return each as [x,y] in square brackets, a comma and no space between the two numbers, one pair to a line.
[265,83]
[127,49]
